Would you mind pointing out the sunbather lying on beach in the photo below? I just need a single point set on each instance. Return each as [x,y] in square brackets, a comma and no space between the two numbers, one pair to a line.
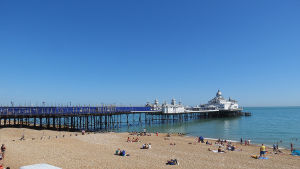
[173,162]
[208,143]
[217,151]
[135,140]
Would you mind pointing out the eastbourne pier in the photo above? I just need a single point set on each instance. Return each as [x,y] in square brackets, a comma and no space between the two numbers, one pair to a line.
[109,117]
[94,118]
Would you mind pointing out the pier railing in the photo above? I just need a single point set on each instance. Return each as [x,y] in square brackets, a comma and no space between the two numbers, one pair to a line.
[36,111]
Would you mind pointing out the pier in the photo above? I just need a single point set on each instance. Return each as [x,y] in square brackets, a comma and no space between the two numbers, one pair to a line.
[96,118]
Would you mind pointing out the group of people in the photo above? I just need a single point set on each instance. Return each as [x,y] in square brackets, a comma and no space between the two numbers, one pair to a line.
[121,153]
[276,149]
[133,140]
[247,142]
[1,167]
[3,149]
[221,142]
[146,146]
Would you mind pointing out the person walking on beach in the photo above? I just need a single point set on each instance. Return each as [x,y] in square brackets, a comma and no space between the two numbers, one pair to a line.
[241,141]
[262,151]
[292,147]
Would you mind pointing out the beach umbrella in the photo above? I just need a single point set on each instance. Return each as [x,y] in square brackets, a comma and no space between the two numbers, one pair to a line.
[40,166]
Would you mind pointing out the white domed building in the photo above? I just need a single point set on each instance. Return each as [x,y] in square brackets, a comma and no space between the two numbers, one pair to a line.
[220,103]
[173,107]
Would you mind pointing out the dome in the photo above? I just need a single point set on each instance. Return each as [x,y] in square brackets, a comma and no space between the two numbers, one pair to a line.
[155,101]
[173,102]
[219,93]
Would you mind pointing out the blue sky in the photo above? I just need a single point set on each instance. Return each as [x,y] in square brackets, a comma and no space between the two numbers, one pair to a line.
[131,52]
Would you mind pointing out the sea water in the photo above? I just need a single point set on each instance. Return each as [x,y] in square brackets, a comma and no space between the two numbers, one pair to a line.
[268,125]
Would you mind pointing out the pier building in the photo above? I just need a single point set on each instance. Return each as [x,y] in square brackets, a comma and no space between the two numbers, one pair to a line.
[173,107]
[220,103]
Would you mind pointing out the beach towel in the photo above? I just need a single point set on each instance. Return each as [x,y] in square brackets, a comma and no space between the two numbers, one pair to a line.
[296,153]
[263,158]
[216,151]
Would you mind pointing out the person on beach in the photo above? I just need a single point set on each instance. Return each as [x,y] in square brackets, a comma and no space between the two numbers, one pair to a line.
[3,148]
[128,139]
[118,151]
[173,162]
[144,131]
[220,150]
[262,151]
[241,141]
[123,153]
[274,148]
[201,139]
[292,147]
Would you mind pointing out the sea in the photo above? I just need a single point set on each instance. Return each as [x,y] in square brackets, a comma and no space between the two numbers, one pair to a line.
[267,125]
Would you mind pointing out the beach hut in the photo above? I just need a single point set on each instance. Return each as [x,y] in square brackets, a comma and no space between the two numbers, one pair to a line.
[40,166]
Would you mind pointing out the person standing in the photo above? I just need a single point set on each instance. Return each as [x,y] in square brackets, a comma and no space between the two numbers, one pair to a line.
[274,148]
[262,151]
[292,147]
[241,141]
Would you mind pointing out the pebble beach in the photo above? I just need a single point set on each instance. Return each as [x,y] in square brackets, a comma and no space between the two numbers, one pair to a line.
[70,150]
